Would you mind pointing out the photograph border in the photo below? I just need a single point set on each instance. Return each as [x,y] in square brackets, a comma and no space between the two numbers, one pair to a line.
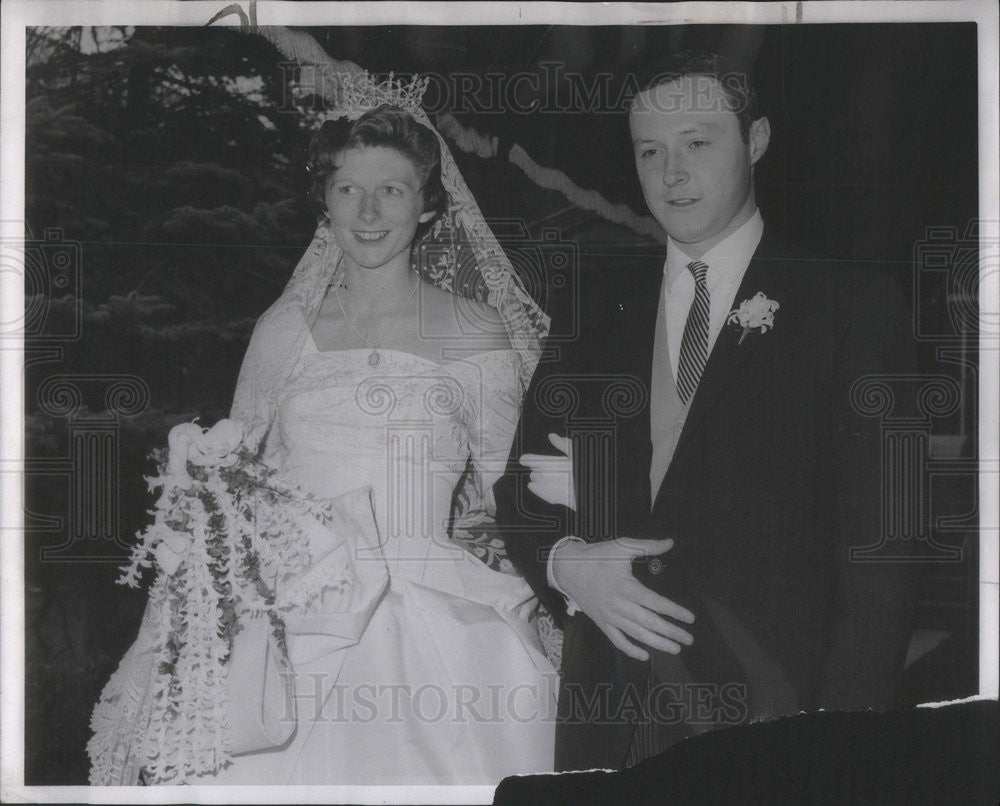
[17,14]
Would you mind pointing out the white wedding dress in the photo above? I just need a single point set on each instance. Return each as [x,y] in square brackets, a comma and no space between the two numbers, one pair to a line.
[432,672]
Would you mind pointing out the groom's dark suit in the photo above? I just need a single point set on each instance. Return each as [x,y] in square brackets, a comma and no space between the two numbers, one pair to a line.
[774,478]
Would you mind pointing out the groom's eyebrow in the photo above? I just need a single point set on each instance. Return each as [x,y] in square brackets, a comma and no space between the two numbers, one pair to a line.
[694,128]
[701,126]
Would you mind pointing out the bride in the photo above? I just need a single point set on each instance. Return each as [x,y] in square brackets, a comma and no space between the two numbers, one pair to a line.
[396,393]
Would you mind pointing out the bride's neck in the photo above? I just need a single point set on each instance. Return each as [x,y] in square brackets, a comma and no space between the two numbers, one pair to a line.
[374,289]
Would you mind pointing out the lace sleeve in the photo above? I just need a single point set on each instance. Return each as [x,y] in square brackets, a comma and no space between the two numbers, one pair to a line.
[496,395]
[492,387]
[272,354]
[496,412]
[250,402]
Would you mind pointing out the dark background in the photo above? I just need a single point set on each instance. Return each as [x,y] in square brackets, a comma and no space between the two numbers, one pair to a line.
[165,166]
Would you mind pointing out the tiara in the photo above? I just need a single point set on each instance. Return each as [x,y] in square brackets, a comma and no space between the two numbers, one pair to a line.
[359,92]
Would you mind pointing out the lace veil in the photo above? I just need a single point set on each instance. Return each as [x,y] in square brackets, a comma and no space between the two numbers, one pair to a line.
[459,255]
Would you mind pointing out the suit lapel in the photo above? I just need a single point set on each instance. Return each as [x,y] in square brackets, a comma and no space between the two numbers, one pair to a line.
[765,273]
[642,297]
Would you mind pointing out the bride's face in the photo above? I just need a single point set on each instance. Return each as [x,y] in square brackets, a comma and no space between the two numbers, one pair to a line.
[375,202]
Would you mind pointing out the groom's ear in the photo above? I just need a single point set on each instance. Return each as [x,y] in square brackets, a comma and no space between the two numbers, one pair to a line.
[760,136]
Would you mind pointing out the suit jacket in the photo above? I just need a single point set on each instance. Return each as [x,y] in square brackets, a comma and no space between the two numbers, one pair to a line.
[776,477]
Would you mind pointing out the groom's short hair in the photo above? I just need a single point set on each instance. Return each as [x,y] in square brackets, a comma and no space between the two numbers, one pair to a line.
[735,80]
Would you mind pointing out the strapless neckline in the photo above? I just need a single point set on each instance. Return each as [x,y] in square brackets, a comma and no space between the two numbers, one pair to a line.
[311,348]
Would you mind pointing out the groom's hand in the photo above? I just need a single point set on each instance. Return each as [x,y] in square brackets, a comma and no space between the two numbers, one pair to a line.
[598,577]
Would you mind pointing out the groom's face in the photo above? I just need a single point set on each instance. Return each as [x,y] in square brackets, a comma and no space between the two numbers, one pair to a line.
[694,166]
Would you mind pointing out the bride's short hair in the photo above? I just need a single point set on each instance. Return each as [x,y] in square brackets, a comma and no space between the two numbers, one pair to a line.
[386,126]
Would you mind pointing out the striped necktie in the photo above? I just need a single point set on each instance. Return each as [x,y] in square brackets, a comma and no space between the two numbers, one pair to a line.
[694,344]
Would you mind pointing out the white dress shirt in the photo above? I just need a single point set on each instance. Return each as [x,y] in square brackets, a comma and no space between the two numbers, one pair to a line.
[727,262]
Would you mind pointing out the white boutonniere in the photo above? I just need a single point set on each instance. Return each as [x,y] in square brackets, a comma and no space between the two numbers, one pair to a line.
[754,314]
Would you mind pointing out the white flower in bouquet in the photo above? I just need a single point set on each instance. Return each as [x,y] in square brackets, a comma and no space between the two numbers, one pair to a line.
[217,445]
[171,550]
[205,447]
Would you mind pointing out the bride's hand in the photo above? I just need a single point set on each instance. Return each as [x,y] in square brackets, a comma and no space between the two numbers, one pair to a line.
[552,476]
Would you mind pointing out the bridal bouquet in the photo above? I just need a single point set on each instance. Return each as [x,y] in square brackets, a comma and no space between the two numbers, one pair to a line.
[228,542]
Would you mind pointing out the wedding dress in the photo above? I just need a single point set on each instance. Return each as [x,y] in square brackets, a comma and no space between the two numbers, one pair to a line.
[425,666]
[447,682]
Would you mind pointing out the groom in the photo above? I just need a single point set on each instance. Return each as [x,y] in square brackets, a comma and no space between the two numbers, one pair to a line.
[704,571]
